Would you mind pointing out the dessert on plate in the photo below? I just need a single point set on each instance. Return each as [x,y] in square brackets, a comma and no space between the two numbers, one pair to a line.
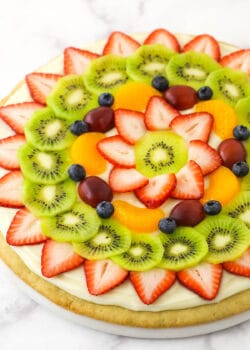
[125,186]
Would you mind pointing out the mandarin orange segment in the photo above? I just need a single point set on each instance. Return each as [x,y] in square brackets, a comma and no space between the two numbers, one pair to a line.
[223,186]
[84,152]
[135,218]
[225,118]
[134,96]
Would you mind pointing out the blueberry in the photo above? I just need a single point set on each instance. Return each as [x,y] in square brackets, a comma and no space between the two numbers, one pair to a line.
[205,93]
[106,99]
[240,169]
[76,172]
[241,132]
[167,225]
[212,207]
[79,127]
[160,83]
[105,209]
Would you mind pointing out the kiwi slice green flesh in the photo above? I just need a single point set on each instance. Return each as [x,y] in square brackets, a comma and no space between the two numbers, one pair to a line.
[239,208]
[48,200]
[227,238]
[78,224]
[45,167]
[144,253]
[160,152]
[229,85]
[242,109]
[70,99]
[47,132]
[148,62]
[182,249]
[111,239]
[190,68]
[106,73]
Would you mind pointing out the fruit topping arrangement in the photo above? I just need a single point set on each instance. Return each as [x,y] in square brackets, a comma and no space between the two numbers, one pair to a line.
[135,164]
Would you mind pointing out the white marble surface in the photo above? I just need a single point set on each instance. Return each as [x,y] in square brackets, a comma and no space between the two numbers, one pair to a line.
[31,32]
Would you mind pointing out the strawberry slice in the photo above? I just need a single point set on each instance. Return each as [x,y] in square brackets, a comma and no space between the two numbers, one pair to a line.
[17,115]
[204,155]
[120,44]
[126,180]
[76,61]
[8,151]
[24,229]
[11,189]
[240,266]
[103,275]
[204,43]
[157,190]
[58,257]
[41,84]
[117,151]
[190,182]
[203,279]
[163,37]
[159,114]
[194,126]
[150,285]
[130,125]
[238,60]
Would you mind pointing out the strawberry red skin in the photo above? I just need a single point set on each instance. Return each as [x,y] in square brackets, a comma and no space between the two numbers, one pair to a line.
[24,229]
[126,180]
[130,125]
[240,266]
[150,285]
[76,61]
[238,60]
[11,189]
[120,44]
[203,279]
[163,37]
[8,151]
[204,43]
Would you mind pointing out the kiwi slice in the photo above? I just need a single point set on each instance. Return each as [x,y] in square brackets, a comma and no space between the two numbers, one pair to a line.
[227,238]
[45,167]
[239,208]
[229,85]
[144,253]
[190,68]
[70,99]
[106,73]
[148,62]
[78,224]
[242,109]
[160,152]
[48,200]
[48,132]
[182,249]
[111,239]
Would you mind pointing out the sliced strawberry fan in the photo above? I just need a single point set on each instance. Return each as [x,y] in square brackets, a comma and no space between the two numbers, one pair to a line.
[76,61]
[237,60]
[163,37]
[204,43]
[8,151]
[120,44]
[11,190]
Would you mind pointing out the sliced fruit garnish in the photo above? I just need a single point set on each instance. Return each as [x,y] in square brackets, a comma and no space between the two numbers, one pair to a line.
[11,189]
[76,61]
[240,266]
[58,257]
[203,279]
[239,207]
[156,191]
[190,182]
[8,151]
[117,151]
[238,60]
[204,155]
[130,125]
[16,115]
[24,229]
[159,114]
[163,37]
[204,43]
[194,126]
[103,275]
[120,44]
[126,180]
[150,285]
[135,218]
[41,84]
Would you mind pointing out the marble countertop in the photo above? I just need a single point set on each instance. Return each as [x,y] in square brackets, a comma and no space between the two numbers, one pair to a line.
[32,32]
